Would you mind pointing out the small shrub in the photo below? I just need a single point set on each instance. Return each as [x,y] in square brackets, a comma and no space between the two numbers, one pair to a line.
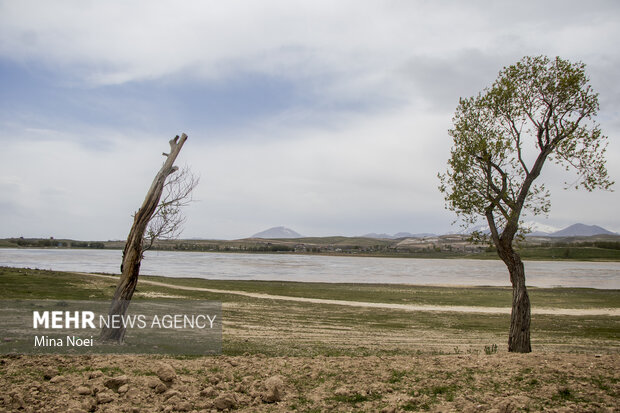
[397,376]
[492,349]
[564,394]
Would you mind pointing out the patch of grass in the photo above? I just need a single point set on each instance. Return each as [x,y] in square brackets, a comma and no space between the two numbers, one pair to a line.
[287,328]
[435,393]
[355,398]
[62,370]
[564,394]
[570,253]
[414,406]
[302,403]
[28,283]
[137,372]
[24,283]
[111,370]
[435,390]
[605,384]
[397,376]
[492,349]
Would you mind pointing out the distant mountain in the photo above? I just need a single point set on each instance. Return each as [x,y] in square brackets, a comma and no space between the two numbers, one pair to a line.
[277,232]
[544,230]
[540,230]
[377,236]
[481,228]
[397,235]
[410,235]
[581,230]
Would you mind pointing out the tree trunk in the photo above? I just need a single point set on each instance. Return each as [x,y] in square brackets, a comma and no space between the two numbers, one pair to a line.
[519,337]
[132,254]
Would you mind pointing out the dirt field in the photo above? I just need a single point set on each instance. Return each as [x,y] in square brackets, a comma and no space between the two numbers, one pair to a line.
[444,383]
[317,355]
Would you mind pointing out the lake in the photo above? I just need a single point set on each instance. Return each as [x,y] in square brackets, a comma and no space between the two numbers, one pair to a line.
[314,268]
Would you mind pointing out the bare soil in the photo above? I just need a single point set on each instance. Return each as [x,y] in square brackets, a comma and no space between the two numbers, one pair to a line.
[498,382]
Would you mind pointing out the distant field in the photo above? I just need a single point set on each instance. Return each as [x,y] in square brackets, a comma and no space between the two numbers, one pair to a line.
[594,248]
[309,329]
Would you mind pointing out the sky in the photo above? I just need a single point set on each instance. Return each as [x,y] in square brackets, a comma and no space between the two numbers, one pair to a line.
[327,117]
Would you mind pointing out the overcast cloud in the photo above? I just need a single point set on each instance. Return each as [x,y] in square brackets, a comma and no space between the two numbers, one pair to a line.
[325,117]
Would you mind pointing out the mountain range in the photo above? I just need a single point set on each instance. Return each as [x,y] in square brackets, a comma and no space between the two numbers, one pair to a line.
[398,235]
[575,230]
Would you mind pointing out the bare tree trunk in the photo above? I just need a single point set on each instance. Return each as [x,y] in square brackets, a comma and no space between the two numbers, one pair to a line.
[520,317]
[132,255]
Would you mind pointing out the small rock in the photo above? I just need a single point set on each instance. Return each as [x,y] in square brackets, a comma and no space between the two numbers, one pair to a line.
[16,400]
[173,400]
[57,379]
[208,392]
[83,390]
[89,405]
[123,389]
[170,393]
[93,374]
[183,406]
[598,355]
[152,382]
[115,382]
[225,401]
[388,410]
[506,407]
[342,391]
[274,390]
[166,373]
[104,397]
[160,388]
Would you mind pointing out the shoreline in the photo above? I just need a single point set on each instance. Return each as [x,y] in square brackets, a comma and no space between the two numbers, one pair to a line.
[481,256]
[433,308]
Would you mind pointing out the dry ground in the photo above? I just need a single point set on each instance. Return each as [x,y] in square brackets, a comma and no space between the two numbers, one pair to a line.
[254,383]
[290,355]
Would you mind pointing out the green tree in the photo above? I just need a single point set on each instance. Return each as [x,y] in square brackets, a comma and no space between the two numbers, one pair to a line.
[537,110]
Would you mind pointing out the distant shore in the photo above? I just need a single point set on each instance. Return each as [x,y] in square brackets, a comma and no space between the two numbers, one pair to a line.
[592,248]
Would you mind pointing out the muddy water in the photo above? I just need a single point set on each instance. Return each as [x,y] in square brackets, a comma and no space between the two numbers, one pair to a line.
[288,267]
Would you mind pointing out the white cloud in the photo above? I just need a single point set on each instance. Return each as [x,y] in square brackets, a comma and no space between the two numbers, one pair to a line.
[318,169]
[63,188]
[359,45]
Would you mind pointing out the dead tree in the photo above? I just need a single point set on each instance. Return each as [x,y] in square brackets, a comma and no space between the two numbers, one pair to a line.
[135,246]
[168,219]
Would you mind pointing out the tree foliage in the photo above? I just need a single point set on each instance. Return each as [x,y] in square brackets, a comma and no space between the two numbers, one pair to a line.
[538,109]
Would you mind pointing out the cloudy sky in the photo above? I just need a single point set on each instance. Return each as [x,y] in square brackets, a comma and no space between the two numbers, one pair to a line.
[328,117]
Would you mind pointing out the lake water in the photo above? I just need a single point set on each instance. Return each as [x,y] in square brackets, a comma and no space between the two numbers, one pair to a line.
[288,267]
